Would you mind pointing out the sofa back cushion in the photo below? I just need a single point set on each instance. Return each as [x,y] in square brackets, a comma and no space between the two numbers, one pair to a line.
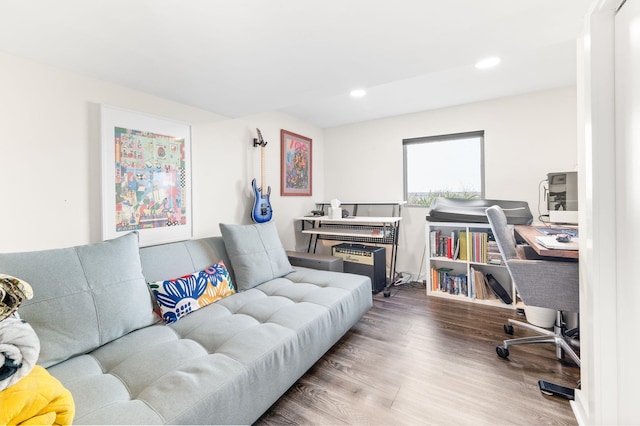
[84,296]
[171,260]
[256,253]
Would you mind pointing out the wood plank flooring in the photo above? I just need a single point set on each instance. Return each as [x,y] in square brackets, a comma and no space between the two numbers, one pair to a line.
[414,359]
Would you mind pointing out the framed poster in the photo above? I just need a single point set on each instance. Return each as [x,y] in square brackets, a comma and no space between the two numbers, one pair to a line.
[295,164]
[146,176]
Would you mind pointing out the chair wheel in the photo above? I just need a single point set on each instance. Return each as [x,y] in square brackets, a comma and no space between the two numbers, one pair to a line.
[502,352]
[508,328]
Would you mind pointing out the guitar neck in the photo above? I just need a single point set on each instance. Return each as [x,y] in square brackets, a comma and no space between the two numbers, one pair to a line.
[263,183]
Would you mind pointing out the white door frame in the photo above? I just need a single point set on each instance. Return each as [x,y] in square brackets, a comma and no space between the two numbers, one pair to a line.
[600,287]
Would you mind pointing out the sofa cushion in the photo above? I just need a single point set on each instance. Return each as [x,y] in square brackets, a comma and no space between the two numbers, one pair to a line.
[84,296]
[182,258]
[178,297]
[256,253]
[226,363]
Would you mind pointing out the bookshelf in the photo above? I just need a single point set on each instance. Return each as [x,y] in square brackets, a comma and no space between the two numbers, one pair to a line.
[459,256]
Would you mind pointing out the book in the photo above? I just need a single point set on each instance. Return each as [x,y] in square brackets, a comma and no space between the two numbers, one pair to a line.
[462,242]
[434,279]
[434,237]
[480,286]
[456,250]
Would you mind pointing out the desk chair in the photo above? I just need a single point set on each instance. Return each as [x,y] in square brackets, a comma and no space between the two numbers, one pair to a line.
[543,283]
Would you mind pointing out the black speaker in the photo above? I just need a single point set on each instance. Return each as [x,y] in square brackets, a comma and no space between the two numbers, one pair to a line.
[364,260]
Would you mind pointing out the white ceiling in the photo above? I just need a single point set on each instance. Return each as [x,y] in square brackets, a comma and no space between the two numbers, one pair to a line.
[302,57]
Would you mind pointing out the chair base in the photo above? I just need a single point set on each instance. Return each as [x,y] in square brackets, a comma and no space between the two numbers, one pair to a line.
[557,336]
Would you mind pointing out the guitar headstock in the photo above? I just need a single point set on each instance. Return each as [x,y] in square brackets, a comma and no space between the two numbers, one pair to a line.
[259,141]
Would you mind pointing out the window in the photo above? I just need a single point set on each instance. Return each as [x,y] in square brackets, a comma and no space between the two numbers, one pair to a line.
[443,166]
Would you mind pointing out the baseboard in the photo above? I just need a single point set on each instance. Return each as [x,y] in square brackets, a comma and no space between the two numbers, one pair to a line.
[578,408]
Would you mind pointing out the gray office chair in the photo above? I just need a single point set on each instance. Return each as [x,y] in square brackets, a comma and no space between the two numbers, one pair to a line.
[543,283]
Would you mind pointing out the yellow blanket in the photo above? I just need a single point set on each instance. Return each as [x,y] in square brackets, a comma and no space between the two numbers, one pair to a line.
[37,399]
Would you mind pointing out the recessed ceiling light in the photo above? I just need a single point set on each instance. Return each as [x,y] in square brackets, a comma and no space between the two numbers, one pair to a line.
[488,63]
[358,93]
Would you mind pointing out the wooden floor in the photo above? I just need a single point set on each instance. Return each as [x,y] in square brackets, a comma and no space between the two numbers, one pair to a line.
[414,359]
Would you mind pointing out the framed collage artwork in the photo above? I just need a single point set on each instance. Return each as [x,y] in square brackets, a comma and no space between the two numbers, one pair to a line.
[295,164]
[146,176]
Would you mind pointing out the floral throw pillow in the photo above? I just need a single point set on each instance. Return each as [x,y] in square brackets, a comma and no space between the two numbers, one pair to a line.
[180,296]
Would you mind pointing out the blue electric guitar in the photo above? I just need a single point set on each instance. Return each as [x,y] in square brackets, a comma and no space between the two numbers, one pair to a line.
[261,211]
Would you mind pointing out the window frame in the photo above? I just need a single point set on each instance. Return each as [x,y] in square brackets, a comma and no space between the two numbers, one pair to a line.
[442,138]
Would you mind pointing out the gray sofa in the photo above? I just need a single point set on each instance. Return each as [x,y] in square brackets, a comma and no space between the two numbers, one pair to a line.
[225,363]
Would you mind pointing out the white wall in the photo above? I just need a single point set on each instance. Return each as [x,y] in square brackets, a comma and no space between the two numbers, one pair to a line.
[50,145]
[224,170]
[526,137]
[50,140]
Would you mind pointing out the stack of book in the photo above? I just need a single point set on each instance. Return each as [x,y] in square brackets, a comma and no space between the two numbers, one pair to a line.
[481,288]
[445,244]
[445,280]
[481,248]
[493,253]
[478,241]
[486,287]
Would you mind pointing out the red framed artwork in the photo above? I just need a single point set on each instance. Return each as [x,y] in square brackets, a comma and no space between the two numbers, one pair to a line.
[295,164]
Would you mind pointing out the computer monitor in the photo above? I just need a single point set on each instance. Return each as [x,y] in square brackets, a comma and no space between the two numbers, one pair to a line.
[562,197]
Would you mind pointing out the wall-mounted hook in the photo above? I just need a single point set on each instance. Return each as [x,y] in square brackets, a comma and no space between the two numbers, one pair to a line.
[260,141]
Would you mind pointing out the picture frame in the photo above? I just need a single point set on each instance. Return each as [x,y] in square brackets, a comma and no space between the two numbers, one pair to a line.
[296,163]
[146,176]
